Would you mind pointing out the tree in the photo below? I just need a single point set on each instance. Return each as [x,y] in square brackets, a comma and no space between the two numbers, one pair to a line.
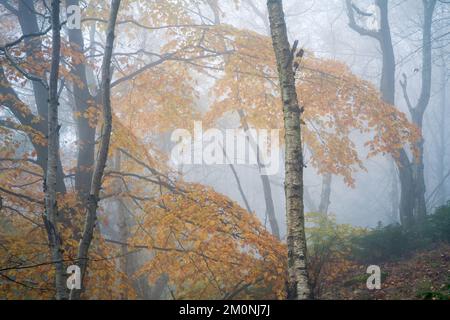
[96,183]
[84,102]
[61,230]
[411,172]
[209,247]
[267,189]
[417,112]
[51,206]
[298,281]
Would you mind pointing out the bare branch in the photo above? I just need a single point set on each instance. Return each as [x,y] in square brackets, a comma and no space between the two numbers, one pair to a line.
[23,37]
[351,8]
[21,196]
[20,160]
[26,74]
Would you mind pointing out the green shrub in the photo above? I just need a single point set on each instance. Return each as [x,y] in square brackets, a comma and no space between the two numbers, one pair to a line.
[437,227]
[385,243]
[329,245]
[394,241]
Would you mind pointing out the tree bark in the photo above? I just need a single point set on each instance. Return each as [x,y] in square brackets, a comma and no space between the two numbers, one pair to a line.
[28,22]
[85,132]
[91,216]
[51,206]
[298,286]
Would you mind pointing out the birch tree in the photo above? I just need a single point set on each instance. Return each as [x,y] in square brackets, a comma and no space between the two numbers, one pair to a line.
[298,282]
[97,176]
[51,206]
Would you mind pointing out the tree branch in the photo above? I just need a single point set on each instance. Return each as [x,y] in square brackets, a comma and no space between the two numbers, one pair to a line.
[23,37]
[21,196]
[351,8]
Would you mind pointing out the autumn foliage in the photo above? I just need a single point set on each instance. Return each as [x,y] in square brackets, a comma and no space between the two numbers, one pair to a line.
[203,242]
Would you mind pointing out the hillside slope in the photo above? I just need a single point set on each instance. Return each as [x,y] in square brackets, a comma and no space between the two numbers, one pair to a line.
[425,274]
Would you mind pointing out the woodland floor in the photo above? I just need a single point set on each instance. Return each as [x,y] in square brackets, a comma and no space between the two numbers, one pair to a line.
[423,275]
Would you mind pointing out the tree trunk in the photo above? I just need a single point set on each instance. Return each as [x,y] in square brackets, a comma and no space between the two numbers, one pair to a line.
[298,281]
[422,104]
[325,194]
[123,226]
[268,199]
[91,216]
[387,88]
[239,185]
[442,193]
[28,22]
[393,217]
[409,171]
[387,82]
[406,190]
[85,132]
[417,112]
[309,201]
[51,206]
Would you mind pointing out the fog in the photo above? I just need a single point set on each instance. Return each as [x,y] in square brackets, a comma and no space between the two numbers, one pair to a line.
[322,27]
[159,134]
